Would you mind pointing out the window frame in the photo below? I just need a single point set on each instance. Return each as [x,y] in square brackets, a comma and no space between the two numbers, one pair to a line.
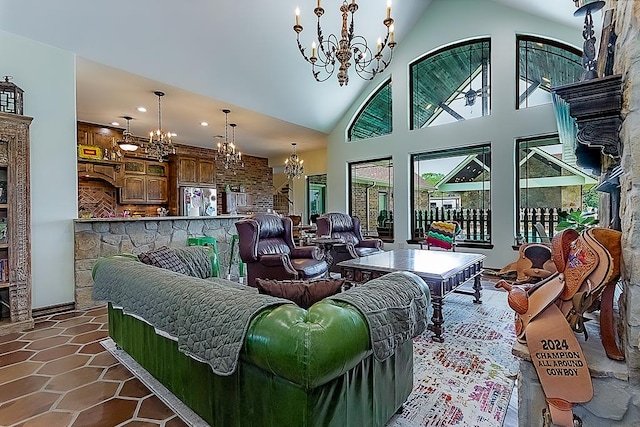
[518,177]
[536,39]
[389,191]
[453,152]
[372,96]
[438,52]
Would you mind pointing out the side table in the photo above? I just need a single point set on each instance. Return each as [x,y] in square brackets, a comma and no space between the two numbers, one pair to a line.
[326,245]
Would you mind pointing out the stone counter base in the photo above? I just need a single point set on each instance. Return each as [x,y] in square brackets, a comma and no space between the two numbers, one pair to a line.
[95,239]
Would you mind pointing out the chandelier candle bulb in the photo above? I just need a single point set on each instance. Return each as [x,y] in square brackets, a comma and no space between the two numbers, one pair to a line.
[388,9]
[313,47]
[391,29]
[298,15]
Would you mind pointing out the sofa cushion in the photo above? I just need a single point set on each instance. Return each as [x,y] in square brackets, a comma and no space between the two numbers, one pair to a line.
[164,257]
[304,293]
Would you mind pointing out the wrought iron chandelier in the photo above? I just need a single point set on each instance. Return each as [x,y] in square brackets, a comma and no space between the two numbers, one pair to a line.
[326,51]
[227,154]
[128,142]
[293,167]
[160,145]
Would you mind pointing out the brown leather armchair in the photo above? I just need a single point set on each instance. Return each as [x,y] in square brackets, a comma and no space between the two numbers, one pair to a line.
[266,246]
[346,227]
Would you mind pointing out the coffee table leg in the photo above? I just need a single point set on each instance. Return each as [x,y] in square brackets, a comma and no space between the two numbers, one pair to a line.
[477,287]
[437,319]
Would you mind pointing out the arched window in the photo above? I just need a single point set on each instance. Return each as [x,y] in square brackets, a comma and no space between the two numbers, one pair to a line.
[542,65]
[375,117]
[451,84]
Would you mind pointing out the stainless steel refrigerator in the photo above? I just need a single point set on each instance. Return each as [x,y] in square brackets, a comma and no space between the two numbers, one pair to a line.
[198,201]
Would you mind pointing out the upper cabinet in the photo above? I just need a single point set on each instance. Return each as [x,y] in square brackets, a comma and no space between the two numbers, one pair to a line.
[207,171]
[97,142]
[192,171]
[145,182]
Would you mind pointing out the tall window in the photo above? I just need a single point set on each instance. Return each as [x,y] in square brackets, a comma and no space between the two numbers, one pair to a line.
[316,195]
[371,196]
[453,185]
[375,117]
[544,64]
[550,181]
[451,84]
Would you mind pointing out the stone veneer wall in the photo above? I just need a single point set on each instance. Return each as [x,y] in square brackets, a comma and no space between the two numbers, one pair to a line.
[616,400]
[627,63]
[102,237]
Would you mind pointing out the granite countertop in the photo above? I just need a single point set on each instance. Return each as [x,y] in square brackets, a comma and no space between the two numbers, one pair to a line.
[158,218]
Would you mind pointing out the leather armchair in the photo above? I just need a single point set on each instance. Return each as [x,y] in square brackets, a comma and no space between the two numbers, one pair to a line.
[346,227]
[266,246]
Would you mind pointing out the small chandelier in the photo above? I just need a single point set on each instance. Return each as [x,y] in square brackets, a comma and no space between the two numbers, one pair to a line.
[227,154]
[327,51]
[293,165]
[128,142]
[160,144]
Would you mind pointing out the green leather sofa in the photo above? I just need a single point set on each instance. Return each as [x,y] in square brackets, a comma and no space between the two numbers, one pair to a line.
[296,368]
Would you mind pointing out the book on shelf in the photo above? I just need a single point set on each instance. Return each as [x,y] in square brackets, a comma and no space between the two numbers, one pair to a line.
[3,192]
[4,270]
[3,230]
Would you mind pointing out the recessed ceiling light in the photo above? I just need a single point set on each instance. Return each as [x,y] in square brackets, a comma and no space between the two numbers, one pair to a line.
[204,124]
[142,109]
[115,124]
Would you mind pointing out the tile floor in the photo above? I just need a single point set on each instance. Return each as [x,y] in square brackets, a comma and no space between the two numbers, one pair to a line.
[59,375]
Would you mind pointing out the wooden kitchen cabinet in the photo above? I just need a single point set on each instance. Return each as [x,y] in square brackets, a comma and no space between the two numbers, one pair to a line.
[206,172]
[133,190]
[194,172]
[145,182]
[98,136]
[187,171]
[156,190]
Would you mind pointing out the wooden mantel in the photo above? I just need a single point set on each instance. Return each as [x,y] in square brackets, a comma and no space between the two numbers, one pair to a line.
[596,105]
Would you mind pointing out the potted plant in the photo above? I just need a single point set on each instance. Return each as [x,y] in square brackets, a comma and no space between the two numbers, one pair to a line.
[578,220]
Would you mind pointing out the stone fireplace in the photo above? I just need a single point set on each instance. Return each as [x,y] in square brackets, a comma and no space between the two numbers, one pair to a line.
[616,400]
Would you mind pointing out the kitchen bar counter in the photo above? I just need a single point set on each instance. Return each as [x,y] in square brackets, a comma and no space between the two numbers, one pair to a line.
[98,237]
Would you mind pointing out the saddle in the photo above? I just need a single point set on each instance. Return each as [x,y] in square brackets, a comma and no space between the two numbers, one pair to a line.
[534,262]
[549,312]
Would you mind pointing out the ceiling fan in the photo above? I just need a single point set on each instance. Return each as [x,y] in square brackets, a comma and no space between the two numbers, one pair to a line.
[471,94]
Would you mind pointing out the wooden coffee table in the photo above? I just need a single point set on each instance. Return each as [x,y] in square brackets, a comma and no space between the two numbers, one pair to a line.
[443,271]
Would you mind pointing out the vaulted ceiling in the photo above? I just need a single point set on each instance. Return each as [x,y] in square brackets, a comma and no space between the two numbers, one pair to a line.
[207,55]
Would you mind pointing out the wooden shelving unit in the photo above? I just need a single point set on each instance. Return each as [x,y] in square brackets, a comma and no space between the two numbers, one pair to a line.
[15,224]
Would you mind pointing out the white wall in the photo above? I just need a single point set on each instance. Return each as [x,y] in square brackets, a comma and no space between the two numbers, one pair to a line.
[47,76]
[446,22]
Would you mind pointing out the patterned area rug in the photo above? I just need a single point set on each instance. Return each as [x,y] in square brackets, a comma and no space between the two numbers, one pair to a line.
[467,380]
